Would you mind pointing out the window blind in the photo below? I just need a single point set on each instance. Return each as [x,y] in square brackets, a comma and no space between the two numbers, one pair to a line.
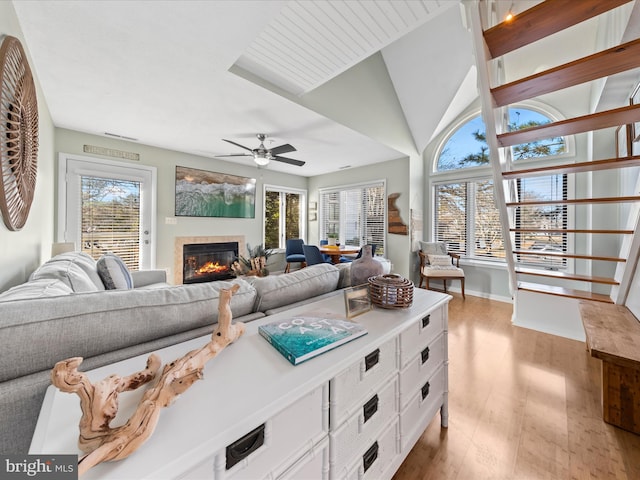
[542,217]
[110,212]
[450,220]
[355,213]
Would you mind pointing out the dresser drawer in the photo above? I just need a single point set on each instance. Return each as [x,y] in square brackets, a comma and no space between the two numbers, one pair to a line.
[314,464]
[365,425]
[421,408]
[420,369]
[285,438]
[375,460]
[350,387]
[420,334]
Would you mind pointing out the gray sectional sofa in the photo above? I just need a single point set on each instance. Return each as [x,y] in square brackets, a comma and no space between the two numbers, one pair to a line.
[64,311]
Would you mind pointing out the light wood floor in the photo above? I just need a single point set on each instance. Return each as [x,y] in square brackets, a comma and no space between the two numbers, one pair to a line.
[522,405]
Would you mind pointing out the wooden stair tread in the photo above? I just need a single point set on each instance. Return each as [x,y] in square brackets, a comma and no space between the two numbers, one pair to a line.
[586,123]
[568,255]
[575,201]
[542,20]
[606,164]
[564,292]
[565,275]
[570,230]
[602,64]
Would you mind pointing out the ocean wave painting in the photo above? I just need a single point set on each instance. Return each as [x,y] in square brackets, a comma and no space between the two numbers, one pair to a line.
[200,193]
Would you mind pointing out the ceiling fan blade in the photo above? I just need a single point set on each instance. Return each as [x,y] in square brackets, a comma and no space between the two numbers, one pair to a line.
[290,161]
[235,155]
[286,148]
[237,145]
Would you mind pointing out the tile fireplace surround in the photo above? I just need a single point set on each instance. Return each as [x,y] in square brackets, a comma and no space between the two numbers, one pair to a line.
[181,241]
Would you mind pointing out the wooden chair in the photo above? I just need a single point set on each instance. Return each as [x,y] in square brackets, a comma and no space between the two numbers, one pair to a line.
[436,263]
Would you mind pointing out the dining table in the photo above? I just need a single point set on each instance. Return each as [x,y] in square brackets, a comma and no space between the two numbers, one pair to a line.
[335,251]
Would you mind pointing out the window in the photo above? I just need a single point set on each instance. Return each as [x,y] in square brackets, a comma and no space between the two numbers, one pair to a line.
[467,146]
[108,206]
[465,213]
[476,235]
[110,213]
[283,215]
[542,225]
[355,213]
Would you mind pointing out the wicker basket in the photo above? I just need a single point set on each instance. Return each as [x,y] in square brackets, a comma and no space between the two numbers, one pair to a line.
[390,291]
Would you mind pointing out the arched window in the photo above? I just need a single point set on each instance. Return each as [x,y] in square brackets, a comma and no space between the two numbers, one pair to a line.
[467,146]
[465,215]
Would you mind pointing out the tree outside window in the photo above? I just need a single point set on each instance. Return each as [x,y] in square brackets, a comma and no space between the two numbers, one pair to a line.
[466,216]
[283,215]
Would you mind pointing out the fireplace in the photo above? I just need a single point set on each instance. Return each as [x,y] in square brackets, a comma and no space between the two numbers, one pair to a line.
[206,262]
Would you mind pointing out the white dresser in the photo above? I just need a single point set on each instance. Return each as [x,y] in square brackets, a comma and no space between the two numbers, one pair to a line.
[354,412]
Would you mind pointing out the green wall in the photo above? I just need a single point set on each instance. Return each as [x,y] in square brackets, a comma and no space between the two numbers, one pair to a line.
[69,141]
[396,174]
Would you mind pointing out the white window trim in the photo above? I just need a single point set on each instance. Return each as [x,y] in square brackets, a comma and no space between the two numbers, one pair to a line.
[542,109]
[303,208]
[340,188]
[97,166]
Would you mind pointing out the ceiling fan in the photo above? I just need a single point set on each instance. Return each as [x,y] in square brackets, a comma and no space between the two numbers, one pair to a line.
[263,155]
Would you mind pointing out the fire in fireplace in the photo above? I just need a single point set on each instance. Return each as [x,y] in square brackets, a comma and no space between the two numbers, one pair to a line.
[206,262]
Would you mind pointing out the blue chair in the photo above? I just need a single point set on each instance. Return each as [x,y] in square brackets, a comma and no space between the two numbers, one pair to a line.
[326,257]
[344,259]
[312,255]
[294,253]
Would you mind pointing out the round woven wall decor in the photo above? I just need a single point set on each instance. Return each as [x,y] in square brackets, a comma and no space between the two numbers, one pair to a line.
[18,134]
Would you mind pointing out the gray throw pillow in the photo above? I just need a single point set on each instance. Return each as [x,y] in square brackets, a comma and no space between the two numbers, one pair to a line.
[114,273]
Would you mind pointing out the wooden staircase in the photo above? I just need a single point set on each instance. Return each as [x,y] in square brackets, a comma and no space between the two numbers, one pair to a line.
[493,42]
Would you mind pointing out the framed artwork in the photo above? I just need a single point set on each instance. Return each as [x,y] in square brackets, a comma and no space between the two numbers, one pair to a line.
[623,141]
[356,300]
[634,100]
[201,193]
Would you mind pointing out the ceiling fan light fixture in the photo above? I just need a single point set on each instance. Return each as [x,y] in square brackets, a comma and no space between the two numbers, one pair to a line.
[261,160]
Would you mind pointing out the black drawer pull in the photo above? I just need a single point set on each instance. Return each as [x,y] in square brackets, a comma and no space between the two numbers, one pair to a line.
[370,456]
[370,408]
[425,354]
[426,320]
[425,390]
[372,359]
[245,446]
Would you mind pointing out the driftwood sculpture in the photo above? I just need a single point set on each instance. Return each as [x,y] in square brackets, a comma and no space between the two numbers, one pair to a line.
[99,401]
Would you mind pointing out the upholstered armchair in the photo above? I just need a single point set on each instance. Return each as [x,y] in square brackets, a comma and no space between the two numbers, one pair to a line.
[436,263]
[313,256]
[294,253]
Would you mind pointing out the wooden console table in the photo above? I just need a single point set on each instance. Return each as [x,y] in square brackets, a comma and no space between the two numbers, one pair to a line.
[354,412]
[613,336]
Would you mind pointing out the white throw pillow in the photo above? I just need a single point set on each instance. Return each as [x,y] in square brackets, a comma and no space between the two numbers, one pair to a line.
[440,260]
[114,273]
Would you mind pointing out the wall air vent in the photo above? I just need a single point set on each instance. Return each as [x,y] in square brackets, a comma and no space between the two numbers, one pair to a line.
[115,135]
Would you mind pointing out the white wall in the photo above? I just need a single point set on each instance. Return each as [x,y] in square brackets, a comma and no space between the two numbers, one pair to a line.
[69,141]
[21,252]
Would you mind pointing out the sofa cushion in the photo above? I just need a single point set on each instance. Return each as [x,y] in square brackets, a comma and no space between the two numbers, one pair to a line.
[114,272]
[43,287]
[274,291]
[37,333]
[85,262]
[71,270]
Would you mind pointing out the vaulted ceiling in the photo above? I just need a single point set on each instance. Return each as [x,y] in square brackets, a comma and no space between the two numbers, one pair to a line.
[348,83]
